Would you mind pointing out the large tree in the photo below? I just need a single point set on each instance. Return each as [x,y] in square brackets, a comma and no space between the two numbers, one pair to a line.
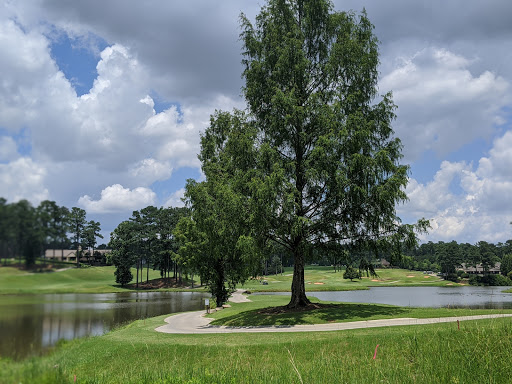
[124,244]
[328,166]
[215,240]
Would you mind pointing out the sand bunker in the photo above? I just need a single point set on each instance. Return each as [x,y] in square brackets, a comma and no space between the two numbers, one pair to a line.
[375,280]
[426,277]
[319,283]
[411,276]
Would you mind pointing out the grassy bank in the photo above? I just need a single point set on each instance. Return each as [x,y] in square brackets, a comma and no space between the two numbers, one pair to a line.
[261,311]
[477,352]
[325,279]
[102,280]
[72,280]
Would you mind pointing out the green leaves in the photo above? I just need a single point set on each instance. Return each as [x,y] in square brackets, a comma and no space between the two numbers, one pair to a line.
[314,161]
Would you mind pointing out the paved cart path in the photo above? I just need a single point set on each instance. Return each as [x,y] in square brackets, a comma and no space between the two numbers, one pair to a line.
[195,322]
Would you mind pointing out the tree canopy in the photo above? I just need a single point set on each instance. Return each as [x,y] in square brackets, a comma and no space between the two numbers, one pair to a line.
[314,159]
[313,162]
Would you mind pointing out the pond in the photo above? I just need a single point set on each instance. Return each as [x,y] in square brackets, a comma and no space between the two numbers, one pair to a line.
[30,324]
[433,297]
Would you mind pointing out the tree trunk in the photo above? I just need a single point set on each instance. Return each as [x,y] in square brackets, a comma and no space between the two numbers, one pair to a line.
[137,279]
[78,253]
[298,298]
[221,293]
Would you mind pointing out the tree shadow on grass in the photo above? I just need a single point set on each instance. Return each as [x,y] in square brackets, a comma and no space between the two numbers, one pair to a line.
[314,314]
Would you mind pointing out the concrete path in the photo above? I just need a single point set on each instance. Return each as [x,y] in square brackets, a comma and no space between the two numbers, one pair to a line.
[238,297]
[195,322]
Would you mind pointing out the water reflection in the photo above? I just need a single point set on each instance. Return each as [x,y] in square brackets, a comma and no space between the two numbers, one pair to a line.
[31,324]
[433,297]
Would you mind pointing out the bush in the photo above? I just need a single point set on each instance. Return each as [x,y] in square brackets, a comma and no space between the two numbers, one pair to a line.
[490,280]
[452,277]
[351,273]
[496,280]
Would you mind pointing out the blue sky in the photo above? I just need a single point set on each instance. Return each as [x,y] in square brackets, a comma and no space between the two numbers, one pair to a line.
[102,103]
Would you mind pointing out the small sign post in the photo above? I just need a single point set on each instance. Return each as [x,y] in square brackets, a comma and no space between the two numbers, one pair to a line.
[207,305]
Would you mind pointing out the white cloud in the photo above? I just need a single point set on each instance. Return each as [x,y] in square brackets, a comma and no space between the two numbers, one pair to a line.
[148,171]
[113,128]
[23,179]
[480,205]
[447,96]
[116,198]
[499,163]
[435,195]
[441,105]
[175,199]
[8,149]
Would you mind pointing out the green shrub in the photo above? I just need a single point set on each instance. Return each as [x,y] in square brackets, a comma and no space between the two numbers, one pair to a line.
[490,280]
[452,277]
[351,273]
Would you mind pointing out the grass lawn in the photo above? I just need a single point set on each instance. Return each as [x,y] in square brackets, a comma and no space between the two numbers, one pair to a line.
[260,312]
[102,280]
[72,280]
[325,279]
[478,352]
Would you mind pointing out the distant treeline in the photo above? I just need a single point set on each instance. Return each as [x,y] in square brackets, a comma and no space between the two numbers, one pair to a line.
[26,232]
[444,257]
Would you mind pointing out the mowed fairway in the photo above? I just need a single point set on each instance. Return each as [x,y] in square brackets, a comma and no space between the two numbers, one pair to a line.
[72,280]
[102,280]
[325,279]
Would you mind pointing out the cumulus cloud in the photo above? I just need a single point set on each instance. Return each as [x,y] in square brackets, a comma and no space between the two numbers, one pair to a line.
[23,179]
[113,128]
[441,105]
[149,170]
[8,149]
[116,198]
[175,200]
[478,208]
[450,77]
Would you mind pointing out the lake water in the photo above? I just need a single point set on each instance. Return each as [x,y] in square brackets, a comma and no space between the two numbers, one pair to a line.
[433,297]
[30,324]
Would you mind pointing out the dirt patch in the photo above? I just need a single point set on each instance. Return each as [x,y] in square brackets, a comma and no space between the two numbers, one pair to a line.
[284,309]
[160,283]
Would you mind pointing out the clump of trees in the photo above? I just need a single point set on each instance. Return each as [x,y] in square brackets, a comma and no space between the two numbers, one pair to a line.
[26,232]
[351,273]
[448,258]
[147,240]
